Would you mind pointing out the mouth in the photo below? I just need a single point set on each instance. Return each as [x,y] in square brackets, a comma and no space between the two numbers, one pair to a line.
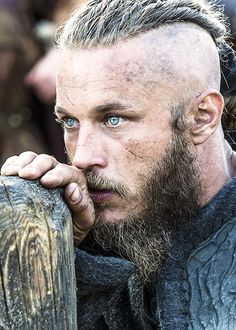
[100,196]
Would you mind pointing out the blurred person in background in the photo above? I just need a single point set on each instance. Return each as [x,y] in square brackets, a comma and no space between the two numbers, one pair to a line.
[18,51]
[228,87]
[42,77]
[28,76]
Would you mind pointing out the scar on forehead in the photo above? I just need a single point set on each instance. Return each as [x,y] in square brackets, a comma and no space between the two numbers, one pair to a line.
[68,98]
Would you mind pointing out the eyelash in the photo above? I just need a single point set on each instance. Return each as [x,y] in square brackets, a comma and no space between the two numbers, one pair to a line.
[62,122]
[110,116]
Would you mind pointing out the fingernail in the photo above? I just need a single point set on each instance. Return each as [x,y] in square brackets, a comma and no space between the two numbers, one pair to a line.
[76,195]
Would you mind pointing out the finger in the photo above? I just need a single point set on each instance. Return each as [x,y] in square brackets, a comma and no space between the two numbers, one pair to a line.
[38,167]
[10,160]
[62,175]
[6,166]
[14,164]
[82,209]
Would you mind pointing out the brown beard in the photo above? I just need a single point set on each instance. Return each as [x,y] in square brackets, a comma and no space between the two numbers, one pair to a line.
[168,199]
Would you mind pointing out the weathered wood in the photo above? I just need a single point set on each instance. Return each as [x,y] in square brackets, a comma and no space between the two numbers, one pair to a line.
[37,277]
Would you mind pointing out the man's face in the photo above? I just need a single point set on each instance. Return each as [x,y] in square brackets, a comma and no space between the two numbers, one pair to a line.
[117,126]
[117,117]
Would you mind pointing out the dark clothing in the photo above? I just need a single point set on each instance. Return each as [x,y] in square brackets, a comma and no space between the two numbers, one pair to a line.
[196,289]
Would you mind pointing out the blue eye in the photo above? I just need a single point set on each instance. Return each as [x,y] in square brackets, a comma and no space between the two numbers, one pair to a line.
[114,120]
[70,122]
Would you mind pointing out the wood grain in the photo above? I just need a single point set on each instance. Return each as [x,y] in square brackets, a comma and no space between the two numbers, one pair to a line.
[37,277]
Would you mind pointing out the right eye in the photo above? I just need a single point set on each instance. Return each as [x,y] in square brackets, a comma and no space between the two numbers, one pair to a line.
[68,122]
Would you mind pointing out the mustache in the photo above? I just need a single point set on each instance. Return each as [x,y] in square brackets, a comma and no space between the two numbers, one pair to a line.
[97,182]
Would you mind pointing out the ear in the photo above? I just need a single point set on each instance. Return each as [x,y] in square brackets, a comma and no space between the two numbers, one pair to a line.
[207,115]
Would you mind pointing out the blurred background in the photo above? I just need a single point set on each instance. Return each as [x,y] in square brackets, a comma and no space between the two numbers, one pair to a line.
[28,64]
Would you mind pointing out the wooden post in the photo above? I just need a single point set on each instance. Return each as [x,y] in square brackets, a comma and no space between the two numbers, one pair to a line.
[37,276]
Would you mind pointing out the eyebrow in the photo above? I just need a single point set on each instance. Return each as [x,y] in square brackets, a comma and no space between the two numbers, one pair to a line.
[104,108]
[110,107]
[58,109]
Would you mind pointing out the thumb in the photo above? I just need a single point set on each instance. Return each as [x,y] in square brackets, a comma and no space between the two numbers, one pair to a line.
[83,213]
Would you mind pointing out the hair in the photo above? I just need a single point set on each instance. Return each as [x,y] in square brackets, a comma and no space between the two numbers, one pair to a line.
[105,22]
[229,115]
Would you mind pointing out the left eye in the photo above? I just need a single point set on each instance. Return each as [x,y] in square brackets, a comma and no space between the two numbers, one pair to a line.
[114,120]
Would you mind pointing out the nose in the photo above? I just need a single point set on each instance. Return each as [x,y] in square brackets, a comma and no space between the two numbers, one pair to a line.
[89,153]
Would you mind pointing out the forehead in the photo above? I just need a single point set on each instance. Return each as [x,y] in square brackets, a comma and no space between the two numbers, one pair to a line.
[111,71]
[154,53]
[92,65]
[157,64]
[173,44]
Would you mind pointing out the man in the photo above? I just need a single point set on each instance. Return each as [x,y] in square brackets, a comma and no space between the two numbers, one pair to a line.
[151,177]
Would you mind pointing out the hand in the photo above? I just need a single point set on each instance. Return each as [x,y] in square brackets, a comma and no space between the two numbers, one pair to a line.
[31,166]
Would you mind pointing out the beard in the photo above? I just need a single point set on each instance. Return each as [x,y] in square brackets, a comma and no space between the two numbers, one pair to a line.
[167,202]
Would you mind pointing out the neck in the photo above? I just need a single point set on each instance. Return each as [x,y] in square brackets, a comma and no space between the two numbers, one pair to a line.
[217,162]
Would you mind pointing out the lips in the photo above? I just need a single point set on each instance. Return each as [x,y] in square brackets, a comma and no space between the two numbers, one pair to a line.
[101,196]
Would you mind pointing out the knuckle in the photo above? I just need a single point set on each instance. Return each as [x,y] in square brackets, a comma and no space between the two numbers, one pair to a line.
[10,160]
[72,173]
[62,167]
[84,207]
[28,153]
[75,170]
[47,158]
[64,171]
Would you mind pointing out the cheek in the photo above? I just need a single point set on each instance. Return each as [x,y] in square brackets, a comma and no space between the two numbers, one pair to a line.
[70,145]
[133,149]
[142,151]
